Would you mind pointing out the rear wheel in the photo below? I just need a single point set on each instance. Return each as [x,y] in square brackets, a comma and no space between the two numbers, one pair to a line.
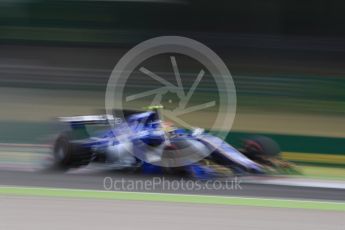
[68,154]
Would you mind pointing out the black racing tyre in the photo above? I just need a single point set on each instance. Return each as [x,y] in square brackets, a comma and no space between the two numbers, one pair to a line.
[68,155]
[261,145]
[62,152]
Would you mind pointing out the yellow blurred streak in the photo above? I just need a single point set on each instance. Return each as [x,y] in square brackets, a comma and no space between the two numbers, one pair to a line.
[314,157]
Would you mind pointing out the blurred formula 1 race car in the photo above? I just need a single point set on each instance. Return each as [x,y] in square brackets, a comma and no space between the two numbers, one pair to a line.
[144,142]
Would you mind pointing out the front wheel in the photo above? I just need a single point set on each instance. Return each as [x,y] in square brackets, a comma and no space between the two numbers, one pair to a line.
[266,152]
[261,146]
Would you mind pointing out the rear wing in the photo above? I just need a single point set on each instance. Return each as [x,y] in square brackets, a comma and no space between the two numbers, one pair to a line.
[79,122]
[89,119]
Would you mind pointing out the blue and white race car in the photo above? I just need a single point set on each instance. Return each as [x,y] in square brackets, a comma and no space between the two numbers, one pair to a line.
[144,142]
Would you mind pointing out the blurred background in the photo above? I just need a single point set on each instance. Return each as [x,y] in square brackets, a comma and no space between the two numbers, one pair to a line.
[287,58]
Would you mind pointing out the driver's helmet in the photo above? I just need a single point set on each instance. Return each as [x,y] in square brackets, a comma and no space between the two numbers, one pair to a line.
[168,126]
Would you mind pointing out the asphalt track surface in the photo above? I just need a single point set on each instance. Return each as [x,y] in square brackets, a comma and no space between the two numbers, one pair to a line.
[31,166]
[60,213]
[96,181]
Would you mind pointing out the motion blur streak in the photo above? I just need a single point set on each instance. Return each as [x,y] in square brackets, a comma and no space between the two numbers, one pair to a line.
[287,59]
